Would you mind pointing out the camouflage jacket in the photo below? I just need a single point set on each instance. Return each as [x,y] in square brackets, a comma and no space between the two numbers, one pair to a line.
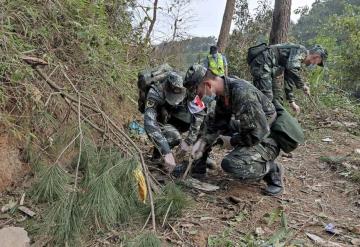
[243,111]
[288,58]
[158,112]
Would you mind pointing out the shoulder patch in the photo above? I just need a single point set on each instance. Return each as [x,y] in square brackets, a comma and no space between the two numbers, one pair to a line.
[150,103]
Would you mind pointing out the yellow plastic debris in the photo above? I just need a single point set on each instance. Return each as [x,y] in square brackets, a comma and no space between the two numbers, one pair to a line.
[140,179]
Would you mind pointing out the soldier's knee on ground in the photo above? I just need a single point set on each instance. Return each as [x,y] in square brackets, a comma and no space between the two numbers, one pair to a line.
[171,134]
[245,165]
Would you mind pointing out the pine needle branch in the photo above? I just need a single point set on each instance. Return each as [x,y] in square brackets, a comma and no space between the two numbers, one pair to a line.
[67,96]
[66,148]
[80,144]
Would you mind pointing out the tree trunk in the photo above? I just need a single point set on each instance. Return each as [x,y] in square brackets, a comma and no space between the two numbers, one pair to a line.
[280,22]
[226,24]
[152,22]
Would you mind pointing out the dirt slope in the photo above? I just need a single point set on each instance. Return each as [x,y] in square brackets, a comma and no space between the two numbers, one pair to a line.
[11,168]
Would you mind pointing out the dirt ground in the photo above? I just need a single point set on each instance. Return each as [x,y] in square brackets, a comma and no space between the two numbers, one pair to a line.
[11,168]
[315,195]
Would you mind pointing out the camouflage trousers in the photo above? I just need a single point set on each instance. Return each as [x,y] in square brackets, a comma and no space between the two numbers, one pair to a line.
[267,77]
[251,163]
[172,135]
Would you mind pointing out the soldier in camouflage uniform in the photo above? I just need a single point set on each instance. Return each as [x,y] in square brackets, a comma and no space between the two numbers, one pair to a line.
[167,114]
[268,66]
[247,114]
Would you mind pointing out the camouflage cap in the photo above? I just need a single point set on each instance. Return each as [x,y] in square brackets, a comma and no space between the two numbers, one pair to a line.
[174,90]
[321,51]
[194,75]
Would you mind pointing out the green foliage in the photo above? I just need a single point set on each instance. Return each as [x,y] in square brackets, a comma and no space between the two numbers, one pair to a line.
[112,189]
[171,199]
[147,239]
[340,36]
[182,54]
[51,184]
[334,24]
[250,29]
[64,221]
[88,161]
[221,240]
[333,160]
[102,203]
[312,21]
[91,41]
[273,216]
[355,177]
[107,197]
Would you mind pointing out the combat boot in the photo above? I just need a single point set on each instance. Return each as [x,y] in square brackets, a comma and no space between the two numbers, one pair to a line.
[156,157]
[197,172]
[274,179]
[199,168]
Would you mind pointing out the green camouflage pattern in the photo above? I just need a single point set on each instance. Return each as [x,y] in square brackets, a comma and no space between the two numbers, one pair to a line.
[159,113]
[269,65]
[243,113]
[250,163]
[243,110]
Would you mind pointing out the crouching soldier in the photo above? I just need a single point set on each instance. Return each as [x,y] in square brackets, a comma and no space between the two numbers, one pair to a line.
[169,110]
[247,114]
[268,63]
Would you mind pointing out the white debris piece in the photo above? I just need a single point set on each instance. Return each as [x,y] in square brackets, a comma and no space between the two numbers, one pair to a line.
[327,139]
[192,182]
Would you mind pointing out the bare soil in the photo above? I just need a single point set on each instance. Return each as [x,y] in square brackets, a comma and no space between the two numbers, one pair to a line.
[11,168]
[315,196]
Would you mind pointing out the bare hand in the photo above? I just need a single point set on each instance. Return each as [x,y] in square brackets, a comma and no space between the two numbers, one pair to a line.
[169,162]
[198,149]
[295,108]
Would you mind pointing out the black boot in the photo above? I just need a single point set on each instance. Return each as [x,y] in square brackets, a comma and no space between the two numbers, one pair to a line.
[156,156]
[199,169]
[274,179]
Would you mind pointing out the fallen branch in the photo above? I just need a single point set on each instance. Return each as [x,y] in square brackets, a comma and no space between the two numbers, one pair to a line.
[167,212]
[35,62]
[188,168]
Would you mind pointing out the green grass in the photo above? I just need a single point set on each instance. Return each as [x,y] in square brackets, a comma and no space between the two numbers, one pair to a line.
[51,184]
[64,221]
[147,239]
[172,200]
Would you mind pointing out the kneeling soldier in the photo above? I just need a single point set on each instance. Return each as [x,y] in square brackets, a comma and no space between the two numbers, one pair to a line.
[247,114]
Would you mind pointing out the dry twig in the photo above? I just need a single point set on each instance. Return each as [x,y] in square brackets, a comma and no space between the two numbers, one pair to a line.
[34,62]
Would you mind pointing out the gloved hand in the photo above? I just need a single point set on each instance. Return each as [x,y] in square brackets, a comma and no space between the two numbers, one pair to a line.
[184,146]
[306,89]
[198,149]
[169,162]
[226,142]
[295,108]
